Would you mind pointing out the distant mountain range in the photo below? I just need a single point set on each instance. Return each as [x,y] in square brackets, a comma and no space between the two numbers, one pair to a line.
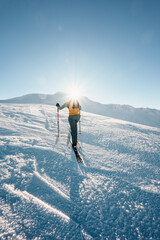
[146,116]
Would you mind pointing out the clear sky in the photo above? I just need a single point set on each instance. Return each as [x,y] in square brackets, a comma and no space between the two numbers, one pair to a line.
[109,48]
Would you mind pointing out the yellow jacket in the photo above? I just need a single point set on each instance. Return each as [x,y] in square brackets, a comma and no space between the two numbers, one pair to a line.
[72,111]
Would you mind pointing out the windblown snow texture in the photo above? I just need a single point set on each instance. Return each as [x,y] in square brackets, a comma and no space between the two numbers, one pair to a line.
[46,194]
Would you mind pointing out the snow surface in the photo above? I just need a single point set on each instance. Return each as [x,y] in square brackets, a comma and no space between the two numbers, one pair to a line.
[46,194]
[145,116]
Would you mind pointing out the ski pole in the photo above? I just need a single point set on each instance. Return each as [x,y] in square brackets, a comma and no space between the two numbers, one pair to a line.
[58,120]
[80,127]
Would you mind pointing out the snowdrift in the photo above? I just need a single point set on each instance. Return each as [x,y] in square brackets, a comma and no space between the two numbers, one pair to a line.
[46,194]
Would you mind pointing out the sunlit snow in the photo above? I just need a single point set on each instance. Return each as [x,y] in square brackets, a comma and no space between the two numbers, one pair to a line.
[46,194]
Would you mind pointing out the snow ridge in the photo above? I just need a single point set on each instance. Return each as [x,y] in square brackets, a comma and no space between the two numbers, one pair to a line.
[30,198]
[48,183]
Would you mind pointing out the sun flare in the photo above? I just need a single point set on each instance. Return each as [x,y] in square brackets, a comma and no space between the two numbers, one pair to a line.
[74,92]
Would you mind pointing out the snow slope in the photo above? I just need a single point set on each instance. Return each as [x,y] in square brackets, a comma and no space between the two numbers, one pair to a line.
[146,116]
[46,194]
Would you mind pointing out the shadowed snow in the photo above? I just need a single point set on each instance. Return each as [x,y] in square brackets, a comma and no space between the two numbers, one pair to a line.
[46,194]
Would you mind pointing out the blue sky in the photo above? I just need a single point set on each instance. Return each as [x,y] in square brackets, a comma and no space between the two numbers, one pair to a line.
[109,48]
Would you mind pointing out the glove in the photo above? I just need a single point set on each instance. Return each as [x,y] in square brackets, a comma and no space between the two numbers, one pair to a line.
[57,105]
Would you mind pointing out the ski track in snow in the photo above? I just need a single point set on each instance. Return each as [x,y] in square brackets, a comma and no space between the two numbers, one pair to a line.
[46,194]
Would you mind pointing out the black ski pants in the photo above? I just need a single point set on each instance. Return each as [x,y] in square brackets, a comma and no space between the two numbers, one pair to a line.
[73,120]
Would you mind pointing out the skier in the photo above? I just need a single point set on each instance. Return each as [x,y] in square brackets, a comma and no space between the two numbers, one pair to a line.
[74,116]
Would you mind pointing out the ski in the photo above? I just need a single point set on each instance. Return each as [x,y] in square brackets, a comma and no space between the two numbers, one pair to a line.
[70,140]
[78,156]
[79,145]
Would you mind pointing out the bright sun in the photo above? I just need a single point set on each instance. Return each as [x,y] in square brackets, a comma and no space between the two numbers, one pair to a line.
[74,92]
